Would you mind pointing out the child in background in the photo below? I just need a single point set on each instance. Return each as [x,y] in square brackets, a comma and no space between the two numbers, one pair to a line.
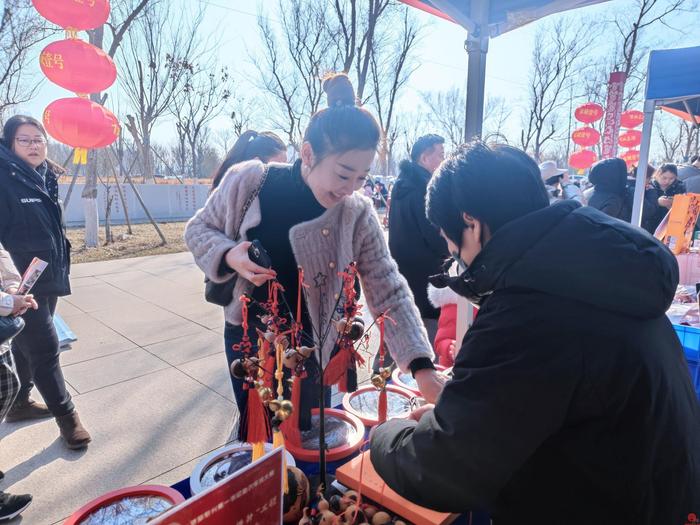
[445,339]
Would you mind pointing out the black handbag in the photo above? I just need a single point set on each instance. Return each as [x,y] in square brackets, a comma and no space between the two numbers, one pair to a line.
[10,327]
[222,293]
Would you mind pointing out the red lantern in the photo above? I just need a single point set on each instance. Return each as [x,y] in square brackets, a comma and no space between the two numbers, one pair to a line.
[77,15]
[631,157]
[631,118]
[589,113]
[78,66]
[630,138]
[81,123]
[582,159]
[585,136]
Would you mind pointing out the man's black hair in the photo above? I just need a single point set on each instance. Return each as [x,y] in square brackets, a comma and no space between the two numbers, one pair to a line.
[495,184]
[423,144]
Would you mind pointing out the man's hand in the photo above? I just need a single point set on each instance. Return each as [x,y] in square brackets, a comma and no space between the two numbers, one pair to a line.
[430,383]
[418,413]
[452,349]
[22,303]
[237,258]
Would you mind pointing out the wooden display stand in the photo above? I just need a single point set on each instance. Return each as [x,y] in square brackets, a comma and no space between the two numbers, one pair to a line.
[374,488]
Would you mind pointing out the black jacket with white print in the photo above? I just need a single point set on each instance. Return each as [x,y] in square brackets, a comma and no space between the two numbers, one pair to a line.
[31,222]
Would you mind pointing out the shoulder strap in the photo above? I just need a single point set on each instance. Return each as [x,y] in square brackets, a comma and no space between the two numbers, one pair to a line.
[248,203]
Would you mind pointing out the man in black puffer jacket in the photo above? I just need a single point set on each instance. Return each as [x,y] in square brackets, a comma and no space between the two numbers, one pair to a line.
[571,401]
[414,243]
[609,177]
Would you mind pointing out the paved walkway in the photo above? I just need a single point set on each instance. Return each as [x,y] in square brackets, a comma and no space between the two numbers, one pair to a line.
[148,376]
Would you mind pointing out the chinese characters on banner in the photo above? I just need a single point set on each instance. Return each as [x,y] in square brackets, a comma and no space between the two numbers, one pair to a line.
[616,87]
[251,496]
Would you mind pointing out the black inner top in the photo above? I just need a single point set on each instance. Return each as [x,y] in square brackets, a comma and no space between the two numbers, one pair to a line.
[285,201]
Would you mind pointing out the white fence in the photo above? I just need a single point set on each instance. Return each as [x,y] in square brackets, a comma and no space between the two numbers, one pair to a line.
[165,202]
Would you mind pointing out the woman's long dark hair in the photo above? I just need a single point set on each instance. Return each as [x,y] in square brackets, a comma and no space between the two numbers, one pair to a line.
[9,131]
[9,134]
[250,145]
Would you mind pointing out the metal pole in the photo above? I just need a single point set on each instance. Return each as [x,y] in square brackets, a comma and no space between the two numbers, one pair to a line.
[477,46]
[640,184]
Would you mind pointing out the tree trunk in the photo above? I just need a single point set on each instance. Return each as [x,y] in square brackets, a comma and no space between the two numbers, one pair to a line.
[89,195]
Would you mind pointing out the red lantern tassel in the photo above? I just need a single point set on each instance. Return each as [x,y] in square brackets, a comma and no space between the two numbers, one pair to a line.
[258,424]
[337,368]
[382,405]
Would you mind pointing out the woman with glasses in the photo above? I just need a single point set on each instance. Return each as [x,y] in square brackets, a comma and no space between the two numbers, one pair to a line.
[32,225]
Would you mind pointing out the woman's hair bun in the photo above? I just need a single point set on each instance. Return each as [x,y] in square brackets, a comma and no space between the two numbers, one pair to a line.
[339,90]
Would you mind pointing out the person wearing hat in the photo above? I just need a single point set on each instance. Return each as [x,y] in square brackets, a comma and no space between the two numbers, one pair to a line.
[609,178]
[557,183]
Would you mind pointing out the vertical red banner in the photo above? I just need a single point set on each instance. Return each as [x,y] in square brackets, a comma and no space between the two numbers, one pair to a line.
[616,89]
[251,496]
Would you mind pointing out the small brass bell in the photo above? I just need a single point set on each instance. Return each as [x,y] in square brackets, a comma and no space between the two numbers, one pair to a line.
[265,394]
[357,329]
[238,369]
[287,407]
[378,381]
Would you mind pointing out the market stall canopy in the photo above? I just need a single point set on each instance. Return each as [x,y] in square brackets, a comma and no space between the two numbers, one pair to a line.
[484,19]
[673,84]
[674,81]
[503,15]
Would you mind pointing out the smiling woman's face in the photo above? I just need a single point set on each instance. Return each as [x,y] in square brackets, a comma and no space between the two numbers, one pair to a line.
[30,145]
[336,176]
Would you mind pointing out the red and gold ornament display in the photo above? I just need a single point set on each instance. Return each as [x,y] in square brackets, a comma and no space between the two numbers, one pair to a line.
[589,113]
[630,138]
[74,15]
[586,137]
[82,68]
[78,66]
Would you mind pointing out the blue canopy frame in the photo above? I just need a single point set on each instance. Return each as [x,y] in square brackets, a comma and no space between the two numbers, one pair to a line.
[673,85]
[484,19]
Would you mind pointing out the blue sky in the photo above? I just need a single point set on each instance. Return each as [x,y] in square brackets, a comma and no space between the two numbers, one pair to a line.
[441,54]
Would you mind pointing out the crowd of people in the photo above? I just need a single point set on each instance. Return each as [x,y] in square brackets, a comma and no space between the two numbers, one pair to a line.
[570,399]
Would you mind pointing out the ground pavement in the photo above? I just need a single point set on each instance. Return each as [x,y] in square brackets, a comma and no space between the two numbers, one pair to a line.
[148,376]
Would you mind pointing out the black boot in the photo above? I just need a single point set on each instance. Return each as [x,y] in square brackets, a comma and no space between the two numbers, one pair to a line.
[12,506]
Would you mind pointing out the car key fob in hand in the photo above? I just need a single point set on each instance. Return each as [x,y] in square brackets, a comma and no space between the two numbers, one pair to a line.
[259,255]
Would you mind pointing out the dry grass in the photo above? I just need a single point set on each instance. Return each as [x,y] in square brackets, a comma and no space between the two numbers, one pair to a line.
[144,241]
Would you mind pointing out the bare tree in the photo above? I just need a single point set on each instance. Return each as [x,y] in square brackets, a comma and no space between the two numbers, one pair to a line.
[678,138]
[391,65]
[496,114]
[292,64]
[21,28]
[123,15]
[159,54]
[558,54]
[358,30]
[631,25]
[205,91]
[670,137]
[447,113]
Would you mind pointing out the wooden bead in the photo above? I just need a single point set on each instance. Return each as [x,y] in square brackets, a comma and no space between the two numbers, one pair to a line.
[381,518]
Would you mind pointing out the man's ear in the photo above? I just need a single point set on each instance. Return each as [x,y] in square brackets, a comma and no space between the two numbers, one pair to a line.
[469,221]
[307,155]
